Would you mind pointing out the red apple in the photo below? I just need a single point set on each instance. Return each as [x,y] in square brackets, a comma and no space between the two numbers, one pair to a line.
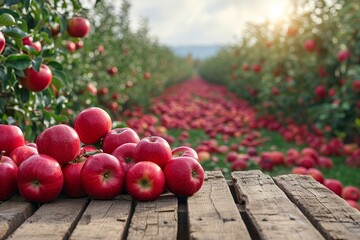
[72,172]
[40,179]
[125,154]
[316,174]
[91,88]
[231,156]
[343,55]
[72,180]
[112,70]
[334,185]
[257,68]
[238,165]
[320,91]
[78,27]
[102,176]
[184,151]
[92,124]
[310,152]
[154,149]
[184,176]
[354,204]
[356,85]
[147,75]
[103,91]
[117,137]
[8,175]
[70,46]
[299,170]
[60,142]
[275,91]
[37,81]
[28,41]
[277,158]
[310,45]
[79,44]
[251,151]
[306,162]
[145,181]
[2,42]
[325,162]
[350,193]
[11,137]
[20,154]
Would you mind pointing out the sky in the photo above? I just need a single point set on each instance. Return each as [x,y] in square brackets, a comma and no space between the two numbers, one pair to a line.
[203,22]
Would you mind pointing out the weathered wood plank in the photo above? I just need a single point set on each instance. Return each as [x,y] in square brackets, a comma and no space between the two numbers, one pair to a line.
[13,213]
[53,220]
[155,219]
[104,219]
[270,211]
[213,213]
[332,215]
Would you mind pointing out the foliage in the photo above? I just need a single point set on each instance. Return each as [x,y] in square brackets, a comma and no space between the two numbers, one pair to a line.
[78,76]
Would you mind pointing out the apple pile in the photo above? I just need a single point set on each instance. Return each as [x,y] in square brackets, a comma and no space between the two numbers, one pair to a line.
[92,159]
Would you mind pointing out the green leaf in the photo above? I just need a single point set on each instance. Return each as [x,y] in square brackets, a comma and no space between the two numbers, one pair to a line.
[57,118]
[36,63]
[27,4]
[17,61]
[55,65]
[11,78]
[11,12]
[3,78]
[24,95]
[14,32]
[76,4]
[57,82]
[60,74]
[63,24]
[7,20]
[12,2]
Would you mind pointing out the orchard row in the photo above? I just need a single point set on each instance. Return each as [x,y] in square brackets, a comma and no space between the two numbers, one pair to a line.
[304,68]
[57,162]
[226,135]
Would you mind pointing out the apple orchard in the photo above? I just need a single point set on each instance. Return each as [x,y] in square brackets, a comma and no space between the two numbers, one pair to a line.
[90,107]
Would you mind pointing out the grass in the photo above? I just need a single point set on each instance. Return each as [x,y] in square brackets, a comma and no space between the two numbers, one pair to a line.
[346,174]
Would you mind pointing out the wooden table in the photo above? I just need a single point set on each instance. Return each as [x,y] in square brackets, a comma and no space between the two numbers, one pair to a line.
[251,206]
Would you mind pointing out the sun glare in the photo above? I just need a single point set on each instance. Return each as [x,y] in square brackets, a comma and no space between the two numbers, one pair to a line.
[276,12]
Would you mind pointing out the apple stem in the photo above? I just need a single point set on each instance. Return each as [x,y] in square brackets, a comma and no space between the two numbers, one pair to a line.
[85,154]
[151,139]
[2,153]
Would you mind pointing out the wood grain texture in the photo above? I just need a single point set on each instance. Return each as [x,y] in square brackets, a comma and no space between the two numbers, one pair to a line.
[270,211]
[104,219]
[53,220]
[213,213]
[155,219]
[331,215]
[13,213]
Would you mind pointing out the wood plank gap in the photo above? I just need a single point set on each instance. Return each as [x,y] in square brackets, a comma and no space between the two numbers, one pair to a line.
[127,226]
[183,225]
[77,219]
